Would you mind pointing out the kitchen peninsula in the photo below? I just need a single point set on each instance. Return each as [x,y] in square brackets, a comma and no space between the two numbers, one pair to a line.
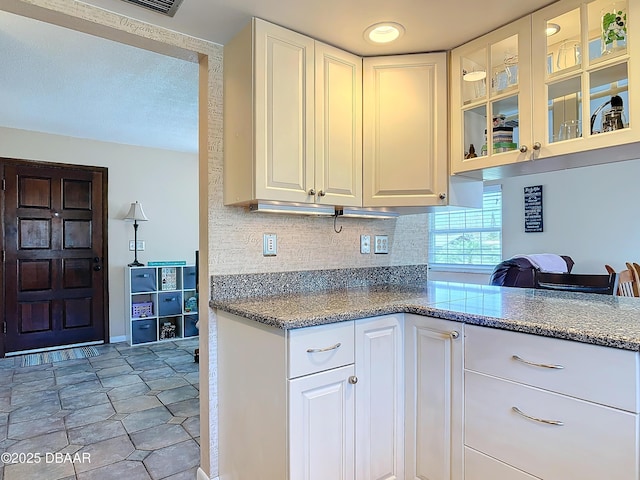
[407,381]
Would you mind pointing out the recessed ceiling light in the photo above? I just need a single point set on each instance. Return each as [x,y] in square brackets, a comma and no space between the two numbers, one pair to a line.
[552,29]
[474,76]
[384,32]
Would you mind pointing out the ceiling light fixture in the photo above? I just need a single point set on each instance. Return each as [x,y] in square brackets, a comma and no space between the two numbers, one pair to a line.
[474,76]
[383,32]
[552,29]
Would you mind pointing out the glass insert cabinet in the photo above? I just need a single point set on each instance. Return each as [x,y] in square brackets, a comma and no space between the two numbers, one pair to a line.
[552,83]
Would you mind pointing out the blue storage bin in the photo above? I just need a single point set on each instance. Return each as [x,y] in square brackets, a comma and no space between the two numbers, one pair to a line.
[189,278]
[169,303]
[143,280]
[143,331]
[190,329]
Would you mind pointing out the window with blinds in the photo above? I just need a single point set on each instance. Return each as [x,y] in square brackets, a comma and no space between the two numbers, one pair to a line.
[470,238]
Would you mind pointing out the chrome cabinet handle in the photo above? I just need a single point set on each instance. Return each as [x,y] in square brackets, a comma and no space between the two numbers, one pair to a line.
[326,349]
[321,193]
[535,419]
[523,149]
[537,146]
[454,334]
[541,365]
[312,191]
[353,379]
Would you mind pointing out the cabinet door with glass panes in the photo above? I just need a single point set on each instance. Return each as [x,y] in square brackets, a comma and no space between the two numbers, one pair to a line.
[582,72]
[491,99]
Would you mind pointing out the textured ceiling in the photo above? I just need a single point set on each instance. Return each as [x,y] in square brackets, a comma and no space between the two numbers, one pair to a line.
[64,82]
[60,81]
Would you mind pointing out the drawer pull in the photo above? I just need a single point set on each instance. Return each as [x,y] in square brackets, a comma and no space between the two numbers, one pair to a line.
[454,334]
[326,349]
[541,365]
[541,420]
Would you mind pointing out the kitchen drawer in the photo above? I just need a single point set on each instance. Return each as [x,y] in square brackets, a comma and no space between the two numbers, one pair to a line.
[604,375]
[478,466]
[595,442]
[314,349]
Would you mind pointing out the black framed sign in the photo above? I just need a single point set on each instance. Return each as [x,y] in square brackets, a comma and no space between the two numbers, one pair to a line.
[533,209]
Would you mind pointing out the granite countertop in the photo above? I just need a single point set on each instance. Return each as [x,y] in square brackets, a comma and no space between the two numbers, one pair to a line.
[597,319]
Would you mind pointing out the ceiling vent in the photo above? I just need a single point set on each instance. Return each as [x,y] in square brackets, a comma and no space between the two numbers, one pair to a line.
[166,7]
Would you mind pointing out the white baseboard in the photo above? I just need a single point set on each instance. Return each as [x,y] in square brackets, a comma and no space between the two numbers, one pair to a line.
[121,338]
[203,476]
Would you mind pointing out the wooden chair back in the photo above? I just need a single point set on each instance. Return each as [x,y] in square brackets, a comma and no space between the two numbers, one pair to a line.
[634,270]
[575,282]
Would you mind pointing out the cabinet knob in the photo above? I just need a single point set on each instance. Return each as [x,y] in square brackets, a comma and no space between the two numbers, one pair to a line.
[523,149]
[321,193]
[442,196]
[537,146]
[454,334]
[353,379]
[312,191]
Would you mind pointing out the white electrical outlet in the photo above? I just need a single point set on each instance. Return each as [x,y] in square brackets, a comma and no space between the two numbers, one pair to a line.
[381,244]
[365,243]
[132,245]
[269,245]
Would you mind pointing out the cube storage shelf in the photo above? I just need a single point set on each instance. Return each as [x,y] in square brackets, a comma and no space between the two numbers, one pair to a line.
[161,303]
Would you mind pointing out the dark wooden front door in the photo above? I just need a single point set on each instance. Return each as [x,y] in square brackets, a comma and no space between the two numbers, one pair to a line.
[54,219]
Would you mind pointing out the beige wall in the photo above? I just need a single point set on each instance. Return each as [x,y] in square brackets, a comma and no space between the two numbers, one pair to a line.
[164,182]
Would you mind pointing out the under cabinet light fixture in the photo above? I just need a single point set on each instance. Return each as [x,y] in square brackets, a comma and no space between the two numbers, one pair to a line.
[383,32]
[293,208]
[366,213]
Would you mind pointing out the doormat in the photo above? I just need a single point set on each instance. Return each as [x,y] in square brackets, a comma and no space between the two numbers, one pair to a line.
[33,359]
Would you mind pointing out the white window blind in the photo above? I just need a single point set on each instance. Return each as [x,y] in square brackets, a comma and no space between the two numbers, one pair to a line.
[468,237]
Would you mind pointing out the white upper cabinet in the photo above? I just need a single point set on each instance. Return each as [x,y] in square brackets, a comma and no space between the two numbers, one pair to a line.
[405,130]
[491,99]
[540,95]
[582,76]
[292,119]
[338,155]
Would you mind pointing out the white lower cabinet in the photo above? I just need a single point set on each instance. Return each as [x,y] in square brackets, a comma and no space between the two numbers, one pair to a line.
[533,403]
[478,466]
[434,398]
[380,398]
[411,397]
[316,403]
[321,427]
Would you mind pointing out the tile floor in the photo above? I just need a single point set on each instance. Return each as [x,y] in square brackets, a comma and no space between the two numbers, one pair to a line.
[131,413]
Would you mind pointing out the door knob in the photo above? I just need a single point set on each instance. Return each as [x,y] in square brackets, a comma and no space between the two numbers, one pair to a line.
[353,379]
[312,191]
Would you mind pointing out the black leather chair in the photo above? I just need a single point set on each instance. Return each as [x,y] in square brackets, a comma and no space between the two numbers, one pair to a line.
[576,282]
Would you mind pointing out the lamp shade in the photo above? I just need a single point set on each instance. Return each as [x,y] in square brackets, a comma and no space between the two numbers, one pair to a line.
[136,213]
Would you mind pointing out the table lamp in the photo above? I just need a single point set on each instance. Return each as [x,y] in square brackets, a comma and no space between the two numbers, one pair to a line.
[135,215]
